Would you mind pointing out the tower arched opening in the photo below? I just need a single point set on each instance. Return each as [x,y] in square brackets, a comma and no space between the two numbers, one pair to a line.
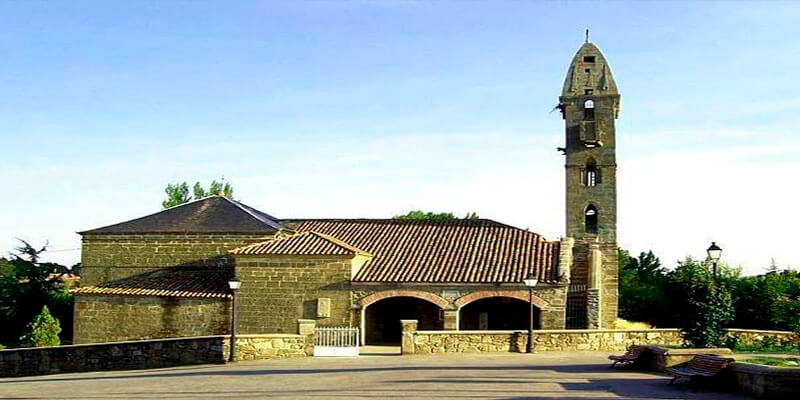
[590,218]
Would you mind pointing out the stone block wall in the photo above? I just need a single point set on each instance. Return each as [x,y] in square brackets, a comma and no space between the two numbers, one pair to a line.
[107,257]
[269,346]
[278,290]
[427,342]
[113,318]
[158,353]
[749,337]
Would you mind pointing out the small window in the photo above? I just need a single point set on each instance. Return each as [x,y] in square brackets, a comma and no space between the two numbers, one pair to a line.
[588,59]
[588,92]
[592,174]
[587,70]
[590,216]
[588,110]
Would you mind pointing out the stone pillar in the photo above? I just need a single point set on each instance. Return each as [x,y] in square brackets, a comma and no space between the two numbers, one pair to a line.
[565,259]
[408,336]
[594,287]
[305,327]
[451,320]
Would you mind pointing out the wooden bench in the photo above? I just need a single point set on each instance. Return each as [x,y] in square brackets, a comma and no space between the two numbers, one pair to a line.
[701,366]
[630,356]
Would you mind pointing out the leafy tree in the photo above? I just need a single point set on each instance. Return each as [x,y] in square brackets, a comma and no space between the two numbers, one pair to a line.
[5,267]
[178,193]
[641,285]
[42,331]
[421,215]
[31,285]
[703,305]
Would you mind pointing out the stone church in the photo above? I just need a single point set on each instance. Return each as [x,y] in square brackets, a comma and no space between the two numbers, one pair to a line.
[166,274]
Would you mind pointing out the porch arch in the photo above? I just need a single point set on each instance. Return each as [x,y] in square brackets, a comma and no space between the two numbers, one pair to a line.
[514,294]
[439,301]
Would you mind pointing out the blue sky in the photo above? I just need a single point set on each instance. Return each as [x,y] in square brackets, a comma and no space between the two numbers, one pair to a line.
[369,109]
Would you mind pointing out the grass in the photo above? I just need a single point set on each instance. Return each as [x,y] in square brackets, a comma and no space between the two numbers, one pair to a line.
[775,362]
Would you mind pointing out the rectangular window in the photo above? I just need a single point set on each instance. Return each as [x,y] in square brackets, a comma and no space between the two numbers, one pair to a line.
[588,59]
[588,92]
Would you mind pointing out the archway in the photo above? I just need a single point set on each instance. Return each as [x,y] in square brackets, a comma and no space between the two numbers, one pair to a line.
[382,318]
[497,313]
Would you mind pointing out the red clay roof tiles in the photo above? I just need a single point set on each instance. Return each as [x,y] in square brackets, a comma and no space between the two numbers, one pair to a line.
[304,243]
[446,251]
[168,282]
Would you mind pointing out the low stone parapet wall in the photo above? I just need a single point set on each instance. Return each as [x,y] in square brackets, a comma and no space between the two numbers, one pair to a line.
[764,381]
[427,342]
[268,346]
[750,337]
[155,353]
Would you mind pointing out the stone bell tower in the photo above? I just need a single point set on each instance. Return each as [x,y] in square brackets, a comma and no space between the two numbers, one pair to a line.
[589,104]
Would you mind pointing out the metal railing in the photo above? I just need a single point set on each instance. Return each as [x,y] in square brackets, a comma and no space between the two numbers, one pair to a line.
[336,337]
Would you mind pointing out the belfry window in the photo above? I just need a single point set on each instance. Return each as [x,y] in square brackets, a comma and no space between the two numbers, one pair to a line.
[591,174]
[590,219]
[588,110]
[588,59]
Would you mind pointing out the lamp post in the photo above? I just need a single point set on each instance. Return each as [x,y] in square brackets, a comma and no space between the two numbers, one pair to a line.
[714,254]
[234,284]
[530,282]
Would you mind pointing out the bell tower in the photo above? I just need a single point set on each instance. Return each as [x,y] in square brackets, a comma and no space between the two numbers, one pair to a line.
[590,104]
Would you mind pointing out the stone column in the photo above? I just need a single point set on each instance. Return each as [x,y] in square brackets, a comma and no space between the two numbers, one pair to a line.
[593,289]
[565,259]
[305,327]
[408,336]
[451,320]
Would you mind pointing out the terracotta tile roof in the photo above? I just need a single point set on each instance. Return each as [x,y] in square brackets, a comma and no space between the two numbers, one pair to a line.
[215,214]
[447,251]
[171,282]
[304,243]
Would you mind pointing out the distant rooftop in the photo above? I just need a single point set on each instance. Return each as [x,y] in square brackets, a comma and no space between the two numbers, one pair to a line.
[215,214]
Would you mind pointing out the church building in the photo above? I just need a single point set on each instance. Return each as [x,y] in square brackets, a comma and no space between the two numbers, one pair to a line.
[166,274]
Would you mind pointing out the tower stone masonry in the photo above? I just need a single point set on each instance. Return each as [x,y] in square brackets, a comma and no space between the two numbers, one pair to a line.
[590,104]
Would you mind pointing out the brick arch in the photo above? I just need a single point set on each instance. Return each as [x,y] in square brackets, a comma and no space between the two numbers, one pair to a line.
[439,301]
[514,294]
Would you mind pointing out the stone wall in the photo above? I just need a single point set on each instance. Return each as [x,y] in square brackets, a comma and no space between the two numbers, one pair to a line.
[112,356]
[764,381]
[426,342]
[278,290]
[269,346]
[113,318]
[107,257]
[749,337]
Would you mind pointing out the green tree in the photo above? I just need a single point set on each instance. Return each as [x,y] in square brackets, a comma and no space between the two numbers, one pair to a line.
[421,215]
[178,193]
[32,285]
[42,331]
[642,283]
[215,188]
[703,305]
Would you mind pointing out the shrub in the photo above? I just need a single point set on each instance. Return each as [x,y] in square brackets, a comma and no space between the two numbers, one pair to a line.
[42,331]
[707,306]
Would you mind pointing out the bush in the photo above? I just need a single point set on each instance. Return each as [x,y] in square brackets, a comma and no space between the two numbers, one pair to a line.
[707,307]
[42,331]
[2,347]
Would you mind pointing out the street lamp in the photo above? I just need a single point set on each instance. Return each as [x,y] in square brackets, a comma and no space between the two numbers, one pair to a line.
[714,254]
[530,282]
[234,284]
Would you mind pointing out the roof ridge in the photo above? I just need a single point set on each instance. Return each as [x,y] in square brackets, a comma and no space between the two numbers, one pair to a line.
[274,241]
[248,210]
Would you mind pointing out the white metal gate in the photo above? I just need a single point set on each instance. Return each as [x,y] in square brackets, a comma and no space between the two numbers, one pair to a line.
[336,342]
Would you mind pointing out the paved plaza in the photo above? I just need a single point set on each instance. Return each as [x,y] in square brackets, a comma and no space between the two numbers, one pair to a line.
[584,375]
